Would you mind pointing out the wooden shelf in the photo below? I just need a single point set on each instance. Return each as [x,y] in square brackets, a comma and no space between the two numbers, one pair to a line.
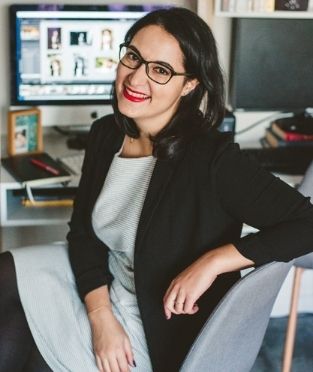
[275,14]
[254,14]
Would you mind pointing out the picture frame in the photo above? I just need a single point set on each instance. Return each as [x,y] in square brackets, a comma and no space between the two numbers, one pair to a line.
[24,132]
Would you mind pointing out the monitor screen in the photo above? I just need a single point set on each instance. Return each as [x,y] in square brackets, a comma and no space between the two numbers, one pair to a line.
[272,64]
[63,54]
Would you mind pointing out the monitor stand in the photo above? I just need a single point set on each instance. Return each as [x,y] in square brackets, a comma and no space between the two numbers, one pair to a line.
[77,135]
[78,141]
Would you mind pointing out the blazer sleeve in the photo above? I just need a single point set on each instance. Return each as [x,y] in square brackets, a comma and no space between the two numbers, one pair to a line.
[87,254]
[250,194]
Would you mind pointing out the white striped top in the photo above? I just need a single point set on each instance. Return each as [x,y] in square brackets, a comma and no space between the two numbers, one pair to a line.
[115,220]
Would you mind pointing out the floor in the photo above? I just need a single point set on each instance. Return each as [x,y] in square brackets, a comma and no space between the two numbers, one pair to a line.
[269,358]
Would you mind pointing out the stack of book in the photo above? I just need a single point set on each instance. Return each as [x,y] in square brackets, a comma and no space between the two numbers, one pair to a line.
[248,5]
[40,170]
[289,132]
[263,5]
[46,196]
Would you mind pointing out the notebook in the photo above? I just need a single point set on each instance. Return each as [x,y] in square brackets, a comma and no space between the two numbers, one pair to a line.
[36,169]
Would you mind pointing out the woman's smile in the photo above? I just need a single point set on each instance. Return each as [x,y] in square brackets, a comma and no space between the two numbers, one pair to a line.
[133,95]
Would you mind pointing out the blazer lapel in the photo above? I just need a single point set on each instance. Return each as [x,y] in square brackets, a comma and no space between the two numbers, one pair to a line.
[110,147]
[162,173]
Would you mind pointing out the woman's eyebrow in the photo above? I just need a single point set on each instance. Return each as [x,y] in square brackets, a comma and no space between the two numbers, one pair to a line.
[135,50]
[163,63]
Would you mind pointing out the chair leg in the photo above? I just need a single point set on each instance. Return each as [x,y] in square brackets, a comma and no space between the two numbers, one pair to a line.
[292,321]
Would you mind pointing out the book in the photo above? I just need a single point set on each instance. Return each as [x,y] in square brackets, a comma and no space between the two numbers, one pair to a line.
[47,203]
[53,192]
[264,143]
[36,169]
[275,140]
[47,196]
[293,129]
[291,5]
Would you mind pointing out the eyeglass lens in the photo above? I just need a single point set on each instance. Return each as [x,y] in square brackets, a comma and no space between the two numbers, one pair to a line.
[155,71]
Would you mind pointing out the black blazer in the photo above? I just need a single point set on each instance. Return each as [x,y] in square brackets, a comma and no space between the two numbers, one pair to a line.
[194,203]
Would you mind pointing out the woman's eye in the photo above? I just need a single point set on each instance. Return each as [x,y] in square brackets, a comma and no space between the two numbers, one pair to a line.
[161,70]
[132,56]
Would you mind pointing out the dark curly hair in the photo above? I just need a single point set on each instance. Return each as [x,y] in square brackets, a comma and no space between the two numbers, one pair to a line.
[201,61]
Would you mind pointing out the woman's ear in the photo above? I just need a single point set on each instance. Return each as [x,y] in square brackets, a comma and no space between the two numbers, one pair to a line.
[189,86]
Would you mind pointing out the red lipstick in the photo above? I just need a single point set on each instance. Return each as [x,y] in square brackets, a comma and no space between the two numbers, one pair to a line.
[133,98]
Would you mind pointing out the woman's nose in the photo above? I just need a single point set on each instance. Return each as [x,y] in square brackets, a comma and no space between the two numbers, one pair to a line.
[138,76]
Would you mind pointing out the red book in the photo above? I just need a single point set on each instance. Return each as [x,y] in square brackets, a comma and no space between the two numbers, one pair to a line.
[293,129]
[290,136]
[276,141]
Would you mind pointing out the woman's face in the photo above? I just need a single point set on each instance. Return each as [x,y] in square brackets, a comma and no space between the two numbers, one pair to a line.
[150,104]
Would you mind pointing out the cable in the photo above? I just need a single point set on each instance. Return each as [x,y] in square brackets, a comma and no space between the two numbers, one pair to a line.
[72,130]
[267,118]
[60,130]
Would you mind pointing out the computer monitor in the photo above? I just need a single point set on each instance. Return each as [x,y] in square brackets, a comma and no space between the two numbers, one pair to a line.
[64,54]
[272,64]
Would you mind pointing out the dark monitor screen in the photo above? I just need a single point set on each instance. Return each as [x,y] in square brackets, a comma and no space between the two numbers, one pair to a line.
[63,54]
[272,64]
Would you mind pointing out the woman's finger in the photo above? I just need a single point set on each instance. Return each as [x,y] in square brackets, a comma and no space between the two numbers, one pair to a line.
[114,364]
[99,364]
[179,302]
[106,365]
[122,361]
[189,304]
[193,310]
[169,290]
[179,307]
[169,303]
[129,353]
[167,312]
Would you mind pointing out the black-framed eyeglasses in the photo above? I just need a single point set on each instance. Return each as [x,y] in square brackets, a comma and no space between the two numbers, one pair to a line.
[157,71]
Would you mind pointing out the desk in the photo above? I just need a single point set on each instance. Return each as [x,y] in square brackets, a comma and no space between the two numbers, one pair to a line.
[13,213]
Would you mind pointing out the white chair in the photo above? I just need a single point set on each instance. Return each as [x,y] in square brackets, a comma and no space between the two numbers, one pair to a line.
[232,336]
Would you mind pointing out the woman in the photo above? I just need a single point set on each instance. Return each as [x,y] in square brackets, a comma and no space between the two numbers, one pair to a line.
[154,239]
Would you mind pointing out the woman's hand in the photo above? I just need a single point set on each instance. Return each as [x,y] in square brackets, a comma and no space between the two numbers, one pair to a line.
[190,284]
[111,344]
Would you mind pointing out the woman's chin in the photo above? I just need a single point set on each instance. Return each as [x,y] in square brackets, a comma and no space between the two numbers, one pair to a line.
[129,109]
